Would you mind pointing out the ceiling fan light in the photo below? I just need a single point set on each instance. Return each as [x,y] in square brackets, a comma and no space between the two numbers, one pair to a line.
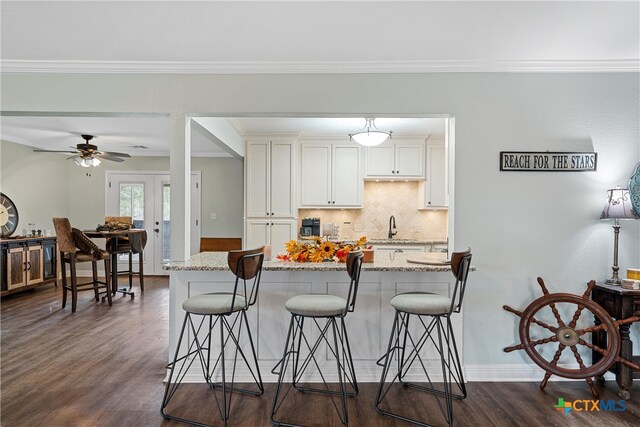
[78,161]
[95,161]
[370,136]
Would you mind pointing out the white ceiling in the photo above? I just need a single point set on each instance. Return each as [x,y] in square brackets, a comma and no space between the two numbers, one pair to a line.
[126,134]
[296,37]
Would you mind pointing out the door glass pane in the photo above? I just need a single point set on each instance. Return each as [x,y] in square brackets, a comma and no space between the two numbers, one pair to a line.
[132,203]
[166,222]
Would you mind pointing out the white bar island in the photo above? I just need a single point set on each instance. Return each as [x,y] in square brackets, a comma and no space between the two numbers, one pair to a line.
[368,326]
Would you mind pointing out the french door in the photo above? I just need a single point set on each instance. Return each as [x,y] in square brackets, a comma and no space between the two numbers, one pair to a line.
[146,198]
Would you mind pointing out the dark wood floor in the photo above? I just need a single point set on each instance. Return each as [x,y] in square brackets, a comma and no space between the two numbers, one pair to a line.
[104,366]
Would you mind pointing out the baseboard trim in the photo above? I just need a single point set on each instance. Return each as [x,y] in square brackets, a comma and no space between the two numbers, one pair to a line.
[512,373]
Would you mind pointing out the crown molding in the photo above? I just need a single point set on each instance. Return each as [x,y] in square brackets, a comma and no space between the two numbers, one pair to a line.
[395,67]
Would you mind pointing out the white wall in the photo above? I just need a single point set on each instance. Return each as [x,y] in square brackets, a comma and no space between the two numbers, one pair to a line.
[37,184]
[519,225]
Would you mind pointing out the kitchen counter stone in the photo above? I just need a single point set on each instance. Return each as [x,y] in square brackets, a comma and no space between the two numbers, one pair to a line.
[217,261]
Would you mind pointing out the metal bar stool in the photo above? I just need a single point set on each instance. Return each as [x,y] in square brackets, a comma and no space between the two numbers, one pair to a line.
[314,307]
[433,313]
[228,311]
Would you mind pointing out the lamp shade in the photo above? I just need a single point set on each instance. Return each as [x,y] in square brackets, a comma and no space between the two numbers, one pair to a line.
[370,136]
[617,205]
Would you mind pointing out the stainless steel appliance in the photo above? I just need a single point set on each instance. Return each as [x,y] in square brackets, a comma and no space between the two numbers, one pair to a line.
[310,227]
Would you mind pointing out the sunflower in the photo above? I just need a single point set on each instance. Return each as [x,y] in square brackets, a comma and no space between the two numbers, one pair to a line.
[291,246]
[328,249]
[361,241]
[315,255]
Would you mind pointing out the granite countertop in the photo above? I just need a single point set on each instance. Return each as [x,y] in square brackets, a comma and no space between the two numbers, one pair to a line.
[217,261]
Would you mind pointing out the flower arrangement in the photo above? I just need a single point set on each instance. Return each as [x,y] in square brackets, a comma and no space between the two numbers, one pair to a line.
[317,250]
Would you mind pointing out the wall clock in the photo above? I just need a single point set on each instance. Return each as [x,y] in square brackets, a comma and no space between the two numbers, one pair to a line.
[8,216]
[634,189]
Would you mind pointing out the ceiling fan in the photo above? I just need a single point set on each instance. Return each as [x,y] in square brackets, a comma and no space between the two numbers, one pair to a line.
[87,154]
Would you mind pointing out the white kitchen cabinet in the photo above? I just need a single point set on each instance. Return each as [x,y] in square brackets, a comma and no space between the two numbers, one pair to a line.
[395,159]
[435,194]
[331,175]
[269,172]
[276,233]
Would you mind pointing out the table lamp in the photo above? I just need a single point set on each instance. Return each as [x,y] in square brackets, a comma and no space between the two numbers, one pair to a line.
[617,206]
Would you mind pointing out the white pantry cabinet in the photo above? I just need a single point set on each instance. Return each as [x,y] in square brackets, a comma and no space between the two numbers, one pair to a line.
[270,193]
[269,169]
[331,175]
[395,159]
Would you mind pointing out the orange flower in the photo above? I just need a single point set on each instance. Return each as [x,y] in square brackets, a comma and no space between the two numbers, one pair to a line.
[343,252]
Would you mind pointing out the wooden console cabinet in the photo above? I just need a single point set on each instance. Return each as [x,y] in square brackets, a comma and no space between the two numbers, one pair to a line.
[27,263]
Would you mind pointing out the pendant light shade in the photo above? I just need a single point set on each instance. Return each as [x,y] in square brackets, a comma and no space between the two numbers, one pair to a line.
[370,135]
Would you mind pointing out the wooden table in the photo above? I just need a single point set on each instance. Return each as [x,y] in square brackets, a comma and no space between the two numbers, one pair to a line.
[112,245]
[620,303]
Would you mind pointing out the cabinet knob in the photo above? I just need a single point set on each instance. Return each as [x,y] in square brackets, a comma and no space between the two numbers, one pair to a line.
[334,202]
[397,171]
[329,202]
[393,171]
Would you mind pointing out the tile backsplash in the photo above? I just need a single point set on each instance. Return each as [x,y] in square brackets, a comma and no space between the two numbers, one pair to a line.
[381,200]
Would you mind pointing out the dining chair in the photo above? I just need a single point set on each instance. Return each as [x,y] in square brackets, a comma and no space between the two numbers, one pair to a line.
[432,314]
[75,247]
[131,245]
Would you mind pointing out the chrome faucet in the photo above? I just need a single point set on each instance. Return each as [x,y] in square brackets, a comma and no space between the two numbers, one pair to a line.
[392,225]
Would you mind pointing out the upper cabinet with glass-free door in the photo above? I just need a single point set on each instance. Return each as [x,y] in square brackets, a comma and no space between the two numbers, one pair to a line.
[330,175]
[269,179]
[398,158]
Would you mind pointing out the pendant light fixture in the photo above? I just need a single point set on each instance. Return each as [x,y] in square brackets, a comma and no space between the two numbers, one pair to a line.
[370,135]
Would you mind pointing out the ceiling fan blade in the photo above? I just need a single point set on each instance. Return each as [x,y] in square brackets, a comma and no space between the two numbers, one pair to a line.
[73,157]
[54,151]
[111,153]
[107,157]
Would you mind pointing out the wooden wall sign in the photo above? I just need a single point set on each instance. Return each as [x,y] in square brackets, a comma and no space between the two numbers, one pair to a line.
[548,161]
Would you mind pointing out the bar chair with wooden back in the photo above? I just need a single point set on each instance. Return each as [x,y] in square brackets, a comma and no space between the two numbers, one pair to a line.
[75,247]
[432,314]
[228,312]
[331,340]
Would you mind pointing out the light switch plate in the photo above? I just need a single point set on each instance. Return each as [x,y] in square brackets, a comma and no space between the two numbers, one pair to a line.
[214,216]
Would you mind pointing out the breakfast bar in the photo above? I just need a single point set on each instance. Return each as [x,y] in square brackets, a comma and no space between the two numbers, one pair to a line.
[369,325]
